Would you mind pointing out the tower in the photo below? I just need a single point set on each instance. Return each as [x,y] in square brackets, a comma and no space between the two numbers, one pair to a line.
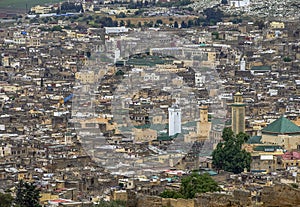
[243,64]
[174,120]
[238,114]
[203,126]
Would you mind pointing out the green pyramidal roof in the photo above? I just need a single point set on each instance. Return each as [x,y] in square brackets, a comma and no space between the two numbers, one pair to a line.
[282,126]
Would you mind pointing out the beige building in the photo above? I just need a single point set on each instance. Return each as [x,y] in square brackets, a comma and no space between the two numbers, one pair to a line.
[41,9]
[277,25]
[264,157]
[86,77]
[282,132]
[6,60]
[5,150]
[144,135]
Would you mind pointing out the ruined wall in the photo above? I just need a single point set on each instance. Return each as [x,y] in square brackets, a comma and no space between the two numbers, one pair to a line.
[238,199]
[217,200]
[178,202]
[280,195]
[63,163]
[151,201]
[277,195]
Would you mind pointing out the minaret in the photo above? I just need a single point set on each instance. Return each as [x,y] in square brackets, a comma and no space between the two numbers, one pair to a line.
[238,114]
[203,126]
[243,64]
[174,120]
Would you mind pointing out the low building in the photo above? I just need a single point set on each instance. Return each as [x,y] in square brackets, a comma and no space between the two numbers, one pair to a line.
[115,30]
[277,25]
[291,159]
[41,9]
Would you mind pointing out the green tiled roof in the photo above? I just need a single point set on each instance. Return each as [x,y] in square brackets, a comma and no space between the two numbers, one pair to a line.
[261,68]
[166,137]
[267,148]
[254,140]
[282,126]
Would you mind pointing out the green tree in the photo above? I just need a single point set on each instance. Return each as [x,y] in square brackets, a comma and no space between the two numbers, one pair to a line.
[159,21]
[224,2]
[122,23]
[294,185]
[138,12]
[260,24]
[171,194]
[213,16]
[70,7]
[287,59]
[88,54]
[215,35]
[6,200]
[229,155]
[196,183]
[150,24]
[227,134]
[129,24]
[27,195]
[57,28]
[121,15]
[237,20]
[175,24]
[183,24]
[119,73]
[191,185]
[190,9]
[190,23]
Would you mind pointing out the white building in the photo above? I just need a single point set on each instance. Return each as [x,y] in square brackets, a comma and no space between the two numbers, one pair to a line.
[151,77]
[115,30]
[239,3]
[199,79]
[174,120]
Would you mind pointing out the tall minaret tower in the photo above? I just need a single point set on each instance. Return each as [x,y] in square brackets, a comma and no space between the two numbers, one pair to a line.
[243,64]
[174,120]
[203,126]
[238,114]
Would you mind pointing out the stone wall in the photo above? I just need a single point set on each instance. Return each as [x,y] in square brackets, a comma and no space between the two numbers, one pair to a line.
[218,200]
[151,201]
[238,199]
[63,163]
[166,202]
[280,195]
[275,196]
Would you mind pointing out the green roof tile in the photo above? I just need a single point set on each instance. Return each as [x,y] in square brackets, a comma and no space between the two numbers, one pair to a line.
[282,126]
[254,140]
[261,68]
[267,148]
